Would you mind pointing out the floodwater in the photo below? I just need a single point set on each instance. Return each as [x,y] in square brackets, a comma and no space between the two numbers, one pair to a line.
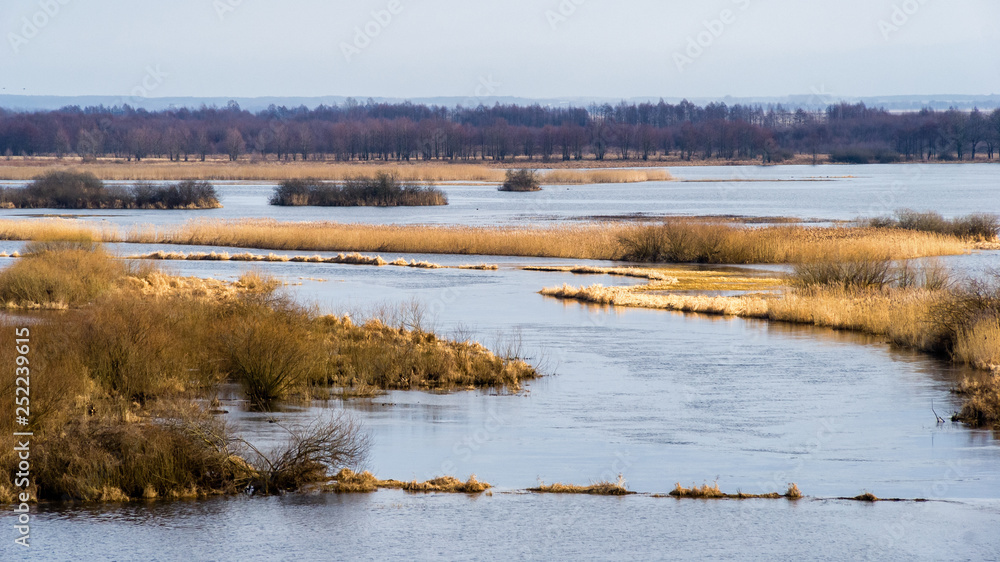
[655,396]
[808,192]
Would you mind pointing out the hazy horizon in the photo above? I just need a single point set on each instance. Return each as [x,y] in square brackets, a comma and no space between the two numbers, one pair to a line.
[522,48]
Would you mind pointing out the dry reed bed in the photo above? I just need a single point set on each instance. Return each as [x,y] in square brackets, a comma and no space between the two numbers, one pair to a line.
[681,241]
[347,259]
[275,171]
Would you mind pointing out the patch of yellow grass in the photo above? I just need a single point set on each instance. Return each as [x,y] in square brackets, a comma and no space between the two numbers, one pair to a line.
[713,492]
[564,177]
[899,314]
[747,306]
[602,241]
[160,170]
[979,345]
[601,488]
[348,481]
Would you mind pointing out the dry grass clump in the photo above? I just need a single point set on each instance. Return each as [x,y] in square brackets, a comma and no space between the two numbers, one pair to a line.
[380,190]
[448,484]
[703,492]
[713,492]
[600,488]
[57,274]
[347,481]
[153,170]
[982,401]
[387,357]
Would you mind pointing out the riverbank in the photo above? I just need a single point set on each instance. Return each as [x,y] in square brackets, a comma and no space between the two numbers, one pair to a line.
[128,359]
[917,309]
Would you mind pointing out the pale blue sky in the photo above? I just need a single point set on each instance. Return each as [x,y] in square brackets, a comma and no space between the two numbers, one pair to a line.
[500,48]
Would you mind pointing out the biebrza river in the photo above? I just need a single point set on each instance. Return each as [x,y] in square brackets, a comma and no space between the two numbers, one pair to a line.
[658,397]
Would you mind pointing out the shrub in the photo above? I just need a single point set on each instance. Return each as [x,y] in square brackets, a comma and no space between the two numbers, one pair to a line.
[311,455]
[82,190]
[271,352]
[381,190]
[976,226]
[855,272]
[521,180]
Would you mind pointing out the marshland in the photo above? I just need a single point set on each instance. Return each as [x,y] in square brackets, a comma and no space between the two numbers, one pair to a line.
[601,398]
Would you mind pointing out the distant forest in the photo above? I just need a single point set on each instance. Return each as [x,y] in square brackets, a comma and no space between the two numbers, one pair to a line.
[381,131]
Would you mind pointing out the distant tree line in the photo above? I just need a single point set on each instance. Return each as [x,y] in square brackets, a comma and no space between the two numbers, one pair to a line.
[405,131]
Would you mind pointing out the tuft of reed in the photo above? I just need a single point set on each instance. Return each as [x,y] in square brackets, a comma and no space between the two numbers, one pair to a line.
[600,488]
[347,482]
[713,492]
[866,497]
[982,401]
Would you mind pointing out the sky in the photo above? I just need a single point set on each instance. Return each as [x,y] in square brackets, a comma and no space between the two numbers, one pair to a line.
[525,48]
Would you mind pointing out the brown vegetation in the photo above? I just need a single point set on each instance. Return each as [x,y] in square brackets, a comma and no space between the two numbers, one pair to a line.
[677,241]
[522,180]
[329,171]
[601,488]
[380,190]
[713,492]
[977,226]
[912,307]
[132,348]
[348,481]
[82,190]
